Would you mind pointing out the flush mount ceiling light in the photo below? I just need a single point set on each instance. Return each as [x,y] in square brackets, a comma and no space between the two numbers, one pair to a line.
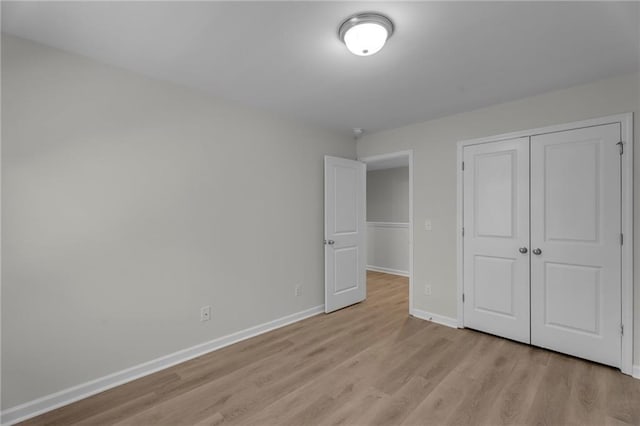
[365,33]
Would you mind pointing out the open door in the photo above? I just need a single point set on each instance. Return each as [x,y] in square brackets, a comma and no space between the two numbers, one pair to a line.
[345,280]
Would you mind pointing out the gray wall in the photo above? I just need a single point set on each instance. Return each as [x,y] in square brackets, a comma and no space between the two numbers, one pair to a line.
[388,201]
[388,247]
[129,203]
[434,146]
[388,195]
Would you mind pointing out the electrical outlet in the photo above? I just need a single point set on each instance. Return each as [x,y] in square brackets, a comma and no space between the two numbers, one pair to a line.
[427,290]
[298,290]
[205,313]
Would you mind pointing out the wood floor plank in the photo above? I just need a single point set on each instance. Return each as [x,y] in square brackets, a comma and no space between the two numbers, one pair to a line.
[393,409]
[517,396]
[336,386]
[369,364]
[586,399]
[442,402]
[550,406]
[482,398]
[622,396]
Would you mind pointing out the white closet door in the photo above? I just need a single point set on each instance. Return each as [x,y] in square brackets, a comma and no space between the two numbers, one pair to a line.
[575,241]
[496,236]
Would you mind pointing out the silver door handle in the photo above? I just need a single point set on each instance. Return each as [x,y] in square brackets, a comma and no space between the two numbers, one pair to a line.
[537,252]
[523,250]
[330,242]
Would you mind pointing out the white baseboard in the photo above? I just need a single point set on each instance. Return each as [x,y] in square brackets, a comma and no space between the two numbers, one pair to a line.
[636,371]
[438,319]
[67,396]
[388,270]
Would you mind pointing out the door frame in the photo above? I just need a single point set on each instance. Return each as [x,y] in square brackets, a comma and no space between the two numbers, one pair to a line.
[626,129]
[389,156]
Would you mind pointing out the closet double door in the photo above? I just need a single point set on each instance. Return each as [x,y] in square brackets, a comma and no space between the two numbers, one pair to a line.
[541,245]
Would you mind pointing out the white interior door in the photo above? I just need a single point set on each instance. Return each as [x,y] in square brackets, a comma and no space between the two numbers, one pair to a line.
[344,228]
[575,240]
[496,238]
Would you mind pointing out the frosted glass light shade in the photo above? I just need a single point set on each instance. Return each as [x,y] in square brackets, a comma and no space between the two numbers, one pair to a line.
[365,34]
[365,39]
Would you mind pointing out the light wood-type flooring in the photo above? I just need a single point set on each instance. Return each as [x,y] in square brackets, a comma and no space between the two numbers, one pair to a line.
[369,364]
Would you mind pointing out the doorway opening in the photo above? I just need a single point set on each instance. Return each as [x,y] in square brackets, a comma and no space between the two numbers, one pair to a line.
[389,220]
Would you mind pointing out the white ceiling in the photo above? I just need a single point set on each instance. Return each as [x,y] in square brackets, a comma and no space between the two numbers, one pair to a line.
[444,58]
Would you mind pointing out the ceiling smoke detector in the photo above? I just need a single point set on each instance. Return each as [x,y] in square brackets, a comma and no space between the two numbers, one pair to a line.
[365,34]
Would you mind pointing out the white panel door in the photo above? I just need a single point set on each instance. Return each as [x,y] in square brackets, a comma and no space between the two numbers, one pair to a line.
[575,241]
[344,228]
[496,238]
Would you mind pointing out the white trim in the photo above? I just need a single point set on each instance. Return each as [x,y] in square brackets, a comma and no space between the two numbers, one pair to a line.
[388,270]
[626,122]
[636,371]
[411,174]
[408,153]
[438,319]
[626,127]
[388,224]
[50,402]
[459,239]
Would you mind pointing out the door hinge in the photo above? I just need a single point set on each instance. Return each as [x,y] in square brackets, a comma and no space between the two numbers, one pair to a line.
[621,147]
[463,231]
[463,166]
[462,297]
[621,239]
[622,329]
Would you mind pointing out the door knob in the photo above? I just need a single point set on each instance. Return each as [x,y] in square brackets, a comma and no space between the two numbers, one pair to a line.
[330,242]
[523,250]
[537,252]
